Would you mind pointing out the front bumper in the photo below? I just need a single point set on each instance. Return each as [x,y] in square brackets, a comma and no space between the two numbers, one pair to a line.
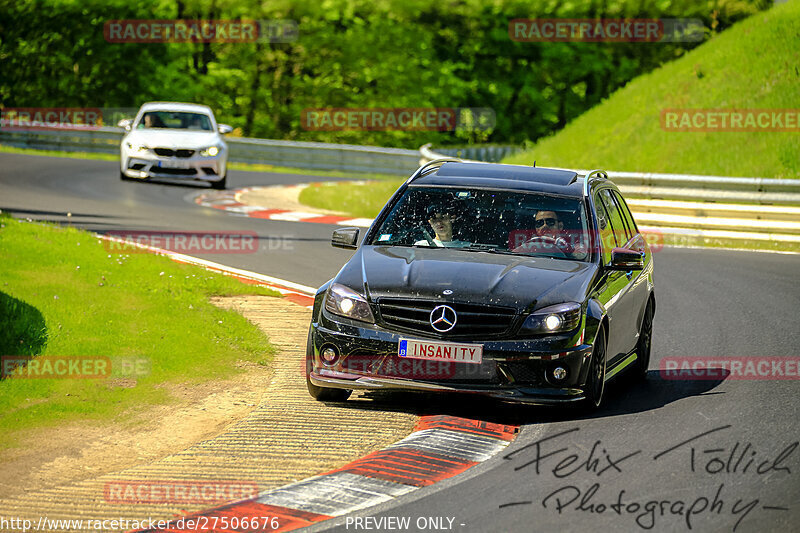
[517,370]
[189,168]
[526,395]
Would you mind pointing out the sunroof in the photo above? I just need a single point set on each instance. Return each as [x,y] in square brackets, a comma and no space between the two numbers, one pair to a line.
[508,172]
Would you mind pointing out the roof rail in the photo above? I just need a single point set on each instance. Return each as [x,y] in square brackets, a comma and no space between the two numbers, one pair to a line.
[596,174]
[430,164]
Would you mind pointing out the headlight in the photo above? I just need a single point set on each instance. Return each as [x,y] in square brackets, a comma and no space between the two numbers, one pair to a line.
[554,319]
[138,147]
[341,300]
[211,151]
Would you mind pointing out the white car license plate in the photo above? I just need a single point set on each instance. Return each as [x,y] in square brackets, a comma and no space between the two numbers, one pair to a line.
[440,351]
[172,164]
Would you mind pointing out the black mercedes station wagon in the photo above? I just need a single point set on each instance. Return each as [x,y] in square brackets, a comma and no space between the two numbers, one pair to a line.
[524,284]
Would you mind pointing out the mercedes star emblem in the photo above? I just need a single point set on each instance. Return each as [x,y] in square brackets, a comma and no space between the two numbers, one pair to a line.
[443,318]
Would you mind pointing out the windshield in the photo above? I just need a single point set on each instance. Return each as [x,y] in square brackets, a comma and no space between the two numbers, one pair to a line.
[480,220]
[175,120]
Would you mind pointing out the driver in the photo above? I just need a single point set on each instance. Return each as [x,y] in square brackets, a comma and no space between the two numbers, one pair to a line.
[196,123]
[151,120]
[550,232]
[441,219]
[547,224]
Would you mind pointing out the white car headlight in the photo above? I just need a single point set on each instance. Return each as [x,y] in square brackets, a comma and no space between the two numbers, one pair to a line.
[344,301]
[211,151]
[554,319]
[137,147]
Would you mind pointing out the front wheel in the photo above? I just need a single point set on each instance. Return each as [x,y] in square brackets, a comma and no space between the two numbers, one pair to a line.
[325,394]
[220,184]
[322,394]
[639,371]
[596,381]
[123,177]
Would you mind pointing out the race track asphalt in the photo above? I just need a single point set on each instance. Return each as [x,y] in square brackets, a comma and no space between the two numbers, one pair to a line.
[566,471]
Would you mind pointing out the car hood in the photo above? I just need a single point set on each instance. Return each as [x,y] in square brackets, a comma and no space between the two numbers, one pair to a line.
[174,138]
[521,282]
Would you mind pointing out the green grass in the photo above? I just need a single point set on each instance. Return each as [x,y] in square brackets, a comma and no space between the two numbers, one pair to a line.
[356,199]
[247,167]
[63,294]
[753,65]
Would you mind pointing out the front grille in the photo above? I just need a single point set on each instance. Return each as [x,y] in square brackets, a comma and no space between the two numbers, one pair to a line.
[473,319]
[169,152]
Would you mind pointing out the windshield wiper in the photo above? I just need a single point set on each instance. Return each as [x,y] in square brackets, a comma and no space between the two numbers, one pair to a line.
[490,248]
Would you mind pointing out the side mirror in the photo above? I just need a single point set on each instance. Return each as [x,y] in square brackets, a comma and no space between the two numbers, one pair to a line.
[345,238]
[224,128]
[624,259]
[125,124]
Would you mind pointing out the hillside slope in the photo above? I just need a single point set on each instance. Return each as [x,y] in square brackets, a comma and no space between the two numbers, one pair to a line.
[753,65]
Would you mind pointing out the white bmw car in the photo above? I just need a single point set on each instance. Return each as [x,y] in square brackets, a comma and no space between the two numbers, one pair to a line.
[174,140]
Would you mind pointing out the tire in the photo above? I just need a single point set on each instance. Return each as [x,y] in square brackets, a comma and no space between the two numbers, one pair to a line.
[220,184]
[123,177]
[643,346]
[595,381]
[321,394]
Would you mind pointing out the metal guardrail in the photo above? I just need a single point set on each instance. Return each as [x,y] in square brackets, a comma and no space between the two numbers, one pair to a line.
[96,140]
[345,157]
[309,155]
[688,186]
[707,213]
[324,156]
[490,154]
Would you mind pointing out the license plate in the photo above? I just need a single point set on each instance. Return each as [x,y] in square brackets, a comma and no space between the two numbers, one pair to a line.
[441,351]
[172,164]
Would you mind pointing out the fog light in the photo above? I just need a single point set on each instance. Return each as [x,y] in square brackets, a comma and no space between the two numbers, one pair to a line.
[560,373]
[329,355]
[142,174]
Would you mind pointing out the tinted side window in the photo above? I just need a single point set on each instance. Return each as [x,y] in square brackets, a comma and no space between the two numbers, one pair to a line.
[614,217]
[626,214]
[607,242]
